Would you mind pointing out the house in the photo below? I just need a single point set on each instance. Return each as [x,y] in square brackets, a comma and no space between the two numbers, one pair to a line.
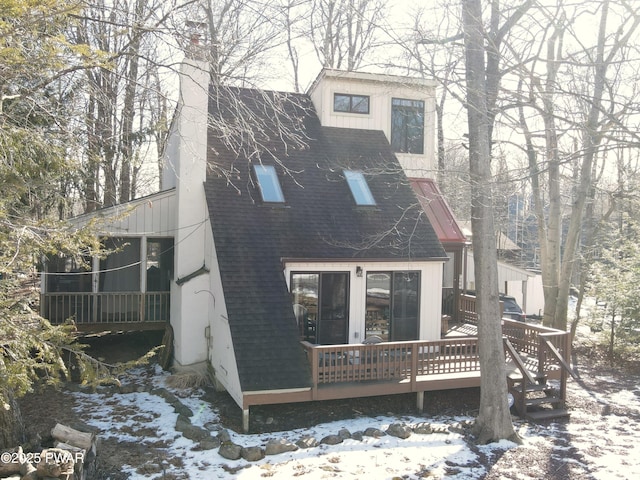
[524,285]
[291,253]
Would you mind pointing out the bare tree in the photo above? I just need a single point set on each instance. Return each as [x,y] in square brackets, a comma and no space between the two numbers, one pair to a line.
[294,14]
[578,95]
[494,419]
[425,56]
[343,32]
[114,96]
[240,37]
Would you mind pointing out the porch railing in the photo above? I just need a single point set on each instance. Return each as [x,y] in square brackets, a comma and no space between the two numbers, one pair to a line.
[391,360]
[416,361]
[111,307]
[467,309]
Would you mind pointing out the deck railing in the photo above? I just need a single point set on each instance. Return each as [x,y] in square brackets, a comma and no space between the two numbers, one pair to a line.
[418,360]
[105,308]
[391,360]
[467,309]
[530,339]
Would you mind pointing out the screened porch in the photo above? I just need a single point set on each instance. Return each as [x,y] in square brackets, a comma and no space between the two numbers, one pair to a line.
[129,289]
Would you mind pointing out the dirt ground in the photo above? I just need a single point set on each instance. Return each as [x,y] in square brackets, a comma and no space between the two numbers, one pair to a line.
[43,409]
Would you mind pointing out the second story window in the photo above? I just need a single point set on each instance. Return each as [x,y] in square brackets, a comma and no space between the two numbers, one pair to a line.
[268,183]
[345,102]
[359,188]
[407,126]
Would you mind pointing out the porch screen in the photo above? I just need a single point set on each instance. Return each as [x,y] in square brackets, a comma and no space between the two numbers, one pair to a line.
[392,310]
[120,271]
[320,303]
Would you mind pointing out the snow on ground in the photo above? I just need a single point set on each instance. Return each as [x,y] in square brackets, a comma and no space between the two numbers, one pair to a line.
[120,416]
[601,446]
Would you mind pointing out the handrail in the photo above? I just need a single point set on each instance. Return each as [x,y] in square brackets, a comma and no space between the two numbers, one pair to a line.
[515,356]
[556,353]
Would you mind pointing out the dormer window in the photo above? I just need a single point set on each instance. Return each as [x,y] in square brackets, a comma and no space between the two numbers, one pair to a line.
[348,103]
[359,188]
[407,126]
[268,183]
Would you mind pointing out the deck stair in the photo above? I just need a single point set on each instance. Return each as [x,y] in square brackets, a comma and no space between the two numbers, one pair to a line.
[534,398]
[536,401]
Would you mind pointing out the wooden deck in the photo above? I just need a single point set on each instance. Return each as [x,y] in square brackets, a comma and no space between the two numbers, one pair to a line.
[533,354]
[359,370]
[108,310]
[342,371]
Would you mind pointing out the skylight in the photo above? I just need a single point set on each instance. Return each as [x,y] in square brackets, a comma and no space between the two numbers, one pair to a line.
[359,188]
[268,183]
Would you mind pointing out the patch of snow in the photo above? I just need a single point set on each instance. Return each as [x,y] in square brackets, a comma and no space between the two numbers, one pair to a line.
[600,446]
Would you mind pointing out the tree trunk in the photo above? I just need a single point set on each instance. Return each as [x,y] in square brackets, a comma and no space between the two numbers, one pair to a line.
[494,419]
[11,425]
[612,340]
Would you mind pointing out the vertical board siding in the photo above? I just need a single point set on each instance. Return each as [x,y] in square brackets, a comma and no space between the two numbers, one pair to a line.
[152,216]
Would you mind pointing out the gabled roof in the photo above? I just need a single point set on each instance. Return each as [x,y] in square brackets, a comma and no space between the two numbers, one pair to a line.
[438,210]
[318,221]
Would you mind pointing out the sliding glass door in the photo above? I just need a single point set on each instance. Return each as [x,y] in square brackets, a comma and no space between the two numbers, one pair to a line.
[321,306]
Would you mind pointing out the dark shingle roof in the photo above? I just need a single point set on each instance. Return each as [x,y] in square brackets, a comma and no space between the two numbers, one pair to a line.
[319,220]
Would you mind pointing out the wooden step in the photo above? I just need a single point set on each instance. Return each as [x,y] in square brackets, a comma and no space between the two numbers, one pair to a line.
[547,414]
[531,388]
[533,402]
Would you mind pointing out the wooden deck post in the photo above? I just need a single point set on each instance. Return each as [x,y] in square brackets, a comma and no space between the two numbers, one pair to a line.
[566,347]
[415,350]
[420,401]
[245,420]
[315,359]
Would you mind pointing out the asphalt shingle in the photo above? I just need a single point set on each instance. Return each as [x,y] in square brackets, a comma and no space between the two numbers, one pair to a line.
[319,220]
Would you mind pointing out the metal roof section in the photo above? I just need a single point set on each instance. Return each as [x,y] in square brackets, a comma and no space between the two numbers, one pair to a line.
[438,211]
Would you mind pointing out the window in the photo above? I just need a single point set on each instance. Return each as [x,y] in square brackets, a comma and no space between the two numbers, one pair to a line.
[407,126]
[393,305]
[268,183]
[344,102]
[359,187]
[320,303]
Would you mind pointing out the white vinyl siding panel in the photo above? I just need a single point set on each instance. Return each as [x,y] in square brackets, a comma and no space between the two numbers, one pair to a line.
[151,216]
[381,91]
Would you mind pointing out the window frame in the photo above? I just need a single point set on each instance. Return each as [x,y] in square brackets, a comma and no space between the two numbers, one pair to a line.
[359,187]
[401,140]
[392,329]
[352,103]
[268,172]
[314,331]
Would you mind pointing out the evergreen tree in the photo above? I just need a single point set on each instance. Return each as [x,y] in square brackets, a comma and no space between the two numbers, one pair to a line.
[34,60]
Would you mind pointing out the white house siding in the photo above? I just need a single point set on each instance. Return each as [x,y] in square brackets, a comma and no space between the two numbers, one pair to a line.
[152,216]
[381,89]
[189,305]
[221,354]
[169,175]
[535,296]
[511,280]
[430,291]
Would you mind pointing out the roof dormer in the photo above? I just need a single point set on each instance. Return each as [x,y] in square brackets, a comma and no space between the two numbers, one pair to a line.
[402,107]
